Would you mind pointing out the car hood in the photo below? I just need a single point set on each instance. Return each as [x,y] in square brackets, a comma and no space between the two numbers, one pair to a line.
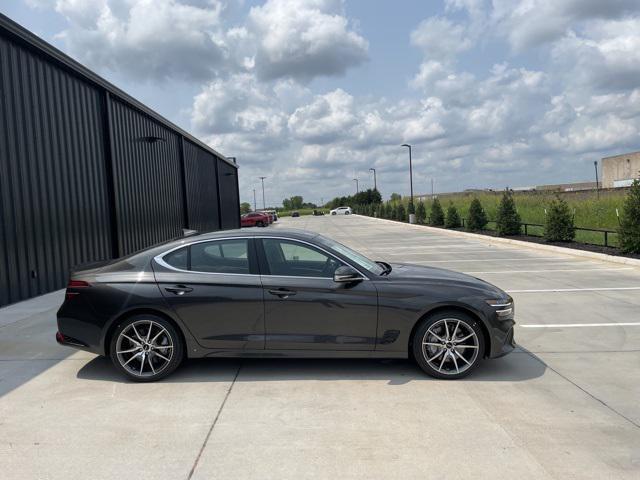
[431,275]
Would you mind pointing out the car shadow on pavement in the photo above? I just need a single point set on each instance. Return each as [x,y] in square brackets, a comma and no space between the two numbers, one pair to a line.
[517,367]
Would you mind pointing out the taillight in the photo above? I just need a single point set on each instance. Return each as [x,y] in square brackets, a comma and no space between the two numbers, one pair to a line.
[75,284]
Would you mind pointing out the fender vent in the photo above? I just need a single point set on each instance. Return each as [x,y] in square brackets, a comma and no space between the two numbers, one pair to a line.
[389,336]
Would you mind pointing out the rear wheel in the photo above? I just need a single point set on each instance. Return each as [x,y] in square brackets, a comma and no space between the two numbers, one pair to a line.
[146,348]
[260,224]
[448,345]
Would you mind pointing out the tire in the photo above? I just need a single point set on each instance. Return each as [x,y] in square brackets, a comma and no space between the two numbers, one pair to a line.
[259,224]
[461,356]
[155,354]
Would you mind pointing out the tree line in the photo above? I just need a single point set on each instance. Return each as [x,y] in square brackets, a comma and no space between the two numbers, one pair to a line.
[559,225]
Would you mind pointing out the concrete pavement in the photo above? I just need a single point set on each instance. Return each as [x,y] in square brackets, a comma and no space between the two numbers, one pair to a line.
[565,405]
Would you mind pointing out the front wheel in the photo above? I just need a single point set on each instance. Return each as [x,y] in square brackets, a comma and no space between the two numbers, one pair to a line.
[448,345]
[259,224]
[146,348]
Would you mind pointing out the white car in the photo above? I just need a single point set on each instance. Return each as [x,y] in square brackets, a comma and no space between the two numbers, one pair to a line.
[341,211]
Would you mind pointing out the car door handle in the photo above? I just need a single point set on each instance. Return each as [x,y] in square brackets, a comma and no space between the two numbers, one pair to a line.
[282,292]
[179,289]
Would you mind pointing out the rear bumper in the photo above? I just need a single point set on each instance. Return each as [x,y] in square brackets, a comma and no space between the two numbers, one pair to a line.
[74,343]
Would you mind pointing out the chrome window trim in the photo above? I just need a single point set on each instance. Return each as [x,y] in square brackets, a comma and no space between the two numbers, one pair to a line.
[160,258]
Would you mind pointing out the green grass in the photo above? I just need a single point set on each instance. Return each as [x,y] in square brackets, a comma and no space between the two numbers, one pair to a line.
[590,212]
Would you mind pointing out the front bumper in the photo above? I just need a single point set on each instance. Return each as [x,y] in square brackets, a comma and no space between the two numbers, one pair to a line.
[501,322]
[503,346]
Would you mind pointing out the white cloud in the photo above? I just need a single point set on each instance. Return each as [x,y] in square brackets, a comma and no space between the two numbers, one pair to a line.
[440,38]
[147,39]
[529,23]
[327,119]
[303,39]
[606,56]
[191,40]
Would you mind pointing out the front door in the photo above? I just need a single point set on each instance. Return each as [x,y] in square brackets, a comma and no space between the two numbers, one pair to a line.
[305,309]
[214,288]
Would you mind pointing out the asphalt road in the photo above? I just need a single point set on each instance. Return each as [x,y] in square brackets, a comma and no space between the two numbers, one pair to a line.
[564,405]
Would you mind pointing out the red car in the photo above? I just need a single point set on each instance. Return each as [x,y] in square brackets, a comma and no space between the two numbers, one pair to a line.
[269,215]
[254,219]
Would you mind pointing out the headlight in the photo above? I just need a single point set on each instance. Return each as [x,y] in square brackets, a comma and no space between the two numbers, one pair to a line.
[504,307]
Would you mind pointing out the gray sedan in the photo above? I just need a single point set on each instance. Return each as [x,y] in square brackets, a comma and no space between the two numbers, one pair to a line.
[292,293]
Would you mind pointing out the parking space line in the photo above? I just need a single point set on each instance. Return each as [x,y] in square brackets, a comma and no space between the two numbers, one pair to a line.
[565,290]
[560,270]
[440,252]
[578,325]
[215,421]
[495,259]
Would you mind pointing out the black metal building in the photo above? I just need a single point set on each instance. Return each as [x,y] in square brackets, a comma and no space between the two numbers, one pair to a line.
[88,173]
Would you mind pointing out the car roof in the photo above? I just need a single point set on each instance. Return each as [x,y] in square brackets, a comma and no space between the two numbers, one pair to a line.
[244,232]
[142,256]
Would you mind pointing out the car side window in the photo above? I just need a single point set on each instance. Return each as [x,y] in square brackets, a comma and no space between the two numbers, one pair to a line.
[222,256]
[293,259]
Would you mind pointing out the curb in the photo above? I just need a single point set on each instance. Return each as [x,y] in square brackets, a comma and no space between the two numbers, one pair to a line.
[520,243]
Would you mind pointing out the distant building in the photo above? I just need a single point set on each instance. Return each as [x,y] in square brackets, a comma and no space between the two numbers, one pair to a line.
[620,170]
[569,187]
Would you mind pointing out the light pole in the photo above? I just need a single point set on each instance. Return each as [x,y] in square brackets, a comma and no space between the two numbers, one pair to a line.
[375,184]
[595,165]
[412,215]
[264,205]
[255,207]
[357,188]
[410,170]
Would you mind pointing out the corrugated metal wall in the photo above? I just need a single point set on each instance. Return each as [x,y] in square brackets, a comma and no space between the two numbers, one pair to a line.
[52,175]
[229,197]
[201,188]
[87,173]
[146,174]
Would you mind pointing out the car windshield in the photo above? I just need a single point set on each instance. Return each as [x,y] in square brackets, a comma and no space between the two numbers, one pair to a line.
[352,255]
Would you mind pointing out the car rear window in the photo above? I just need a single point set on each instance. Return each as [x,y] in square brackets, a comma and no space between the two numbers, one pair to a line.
[224,256]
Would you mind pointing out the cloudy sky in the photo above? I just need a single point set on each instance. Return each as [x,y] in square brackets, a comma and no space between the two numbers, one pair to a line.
[313,93]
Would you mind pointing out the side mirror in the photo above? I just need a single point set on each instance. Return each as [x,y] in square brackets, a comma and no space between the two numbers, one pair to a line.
[346,274]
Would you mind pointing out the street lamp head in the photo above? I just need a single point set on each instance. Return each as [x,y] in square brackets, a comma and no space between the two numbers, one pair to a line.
[406,145]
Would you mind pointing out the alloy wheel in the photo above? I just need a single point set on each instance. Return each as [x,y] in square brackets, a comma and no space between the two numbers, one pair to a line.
[144,348]
[450,346]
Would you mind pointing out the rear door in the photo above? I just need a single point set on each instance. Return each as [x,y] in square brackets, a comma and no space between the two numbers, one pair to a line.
[214,287]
